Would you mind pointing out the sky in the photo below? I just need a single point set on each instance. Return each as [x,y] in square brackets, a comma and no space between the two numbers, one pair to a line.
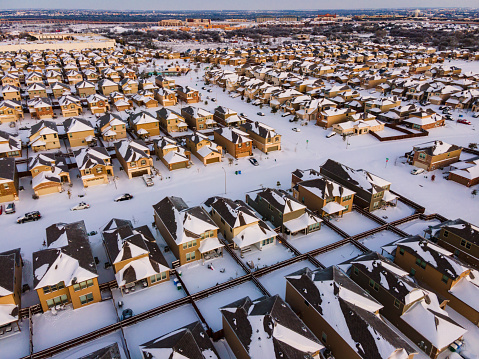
[230,4]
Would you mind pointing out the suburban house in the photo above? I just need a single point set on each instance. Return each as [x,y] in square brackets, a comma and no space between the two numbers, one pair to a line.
[197,118]
[134,157]
[187,94]
[98,103]
[145,98]
[371,191]
[144,124]
[425,120]
[165,82]
[10,145]
[70,105]
[190,341]
[49,172]
[171,154]
[134,255]
[107,86]
[112,127]
[203,148]
[343,315]
[171,121]
[438,269]
[236,142]
[43,136]
[264,137]
[284,211]
[40,108]
[10,290]
[239,225]
[80,131]
[94,164]
[189,231]
[129,86]
[416,312]
[8,180]
[166,97]
[433,155]
[85,89]
[10,111]
[465,172]
[332,116]
[10,92]
[60,89]
[459,237]
[37,90]
[358,127]
[267,328]
[65,271]
[325,197]
[228,117]
[111,351]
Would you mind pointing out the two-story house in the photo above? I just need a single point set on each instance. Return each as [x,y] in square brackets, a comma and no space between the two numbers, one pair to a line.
[8,180]
[144,124]
[10,111]
[172,155]
[107,86]
[264,137]
[80,131]
[40,108]
[236,142]
[44,136]
[10,92]
[187,94]
[166,97]
[37,90]
[70,105]
[85,89]
[198,118]
[171,121]
[48,172]
[203,148]
[111,127]
[98,103]
[94,164]
[10,145]
[433,155]
[228,117]
[134,157]
[10,290]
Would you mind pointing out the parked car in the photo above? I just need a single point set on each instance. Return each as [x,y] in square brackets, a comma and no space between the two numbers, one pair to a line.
[124,197]
[243,114]
[441,107]
[10,208]
[295,129]
[213,99]
[285,114]
[209,90]
[417,171]
[449,118]
[260,113]
[29,217]
[80,206]
[127,313]
[148,181]
[203,88]
[464,121]
[253,161]
[475,115]
[331,134]
[1,209]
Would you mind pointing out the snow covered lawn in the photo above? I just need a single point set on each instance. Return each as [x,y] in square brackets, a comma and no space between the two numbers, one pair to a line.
[470,349]
[209,307]
[148,298]
[417,226]
[391,214]
[271,254]
[16,345]
[354,223]
[276,284]
[197,276]
[146,330]
[339,255]
[49,329]
[376,241]
[323,237]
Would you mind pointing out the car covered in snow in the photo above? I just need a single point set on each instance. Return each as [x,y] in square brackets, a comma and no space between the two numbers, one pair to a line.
[124,197]
[10,208]
[148,180]
[80,206]
[475,115]
[253,161]
[29,217]
[331,134]
[417,171]
[260,113]
[295,129]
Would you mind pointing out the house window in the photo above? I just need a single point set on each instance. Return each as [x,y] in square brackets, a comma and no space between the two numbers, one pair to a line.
[413,272]
[468,245]
[83,285]
[446,234]
[190,256]
[132,164]
[99,170]
[143,162]
[401,251]
[445,278]
[62,299]
[53,288]
[422,156]
[397,303]
[5,185]
[85,299]
[158,277]
[267,241]
[356,271]
[324,337]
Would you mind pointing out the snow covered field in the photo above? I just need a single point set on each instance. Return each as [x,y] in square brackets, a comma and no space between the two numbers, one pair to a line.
[391,214]
[270,254]
[16,345]
[376,241]
[323,237]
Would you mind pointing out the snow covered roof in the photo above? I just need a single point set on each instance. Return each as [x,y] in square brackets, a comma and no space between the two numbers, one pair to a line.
[302,222]
[259,128]
[350,311]
[281,200]
[77,124]
[142,117]
[9,142]
[325,188]
[132,151]
[435,148]
[90,157]
[235,213]
[8,314]
[268,328]
[233,135]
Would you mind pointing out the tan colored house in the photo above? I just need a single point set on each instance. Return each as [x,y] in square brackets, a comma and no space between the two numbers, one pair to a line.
[135,257]
[94,164]
[33,77]
[40,108]
[107,86]
[44,136]
[198,118]
[237,143]
[358,127]
[433,155]
[134,157]
[73,77]
[37,90]
[228,117]
[264,137]
[112,127]
[60,89]
[10,92]
[85,89]
[67,246]
[48,172]
[10,79]
[144,124]
[189,232]
[8,180]
[172,155]
[188,94]
[10,298]
[166,97]
[328,118]
[165,82]
[70,105]
[10,145]
[79,131]
[171,121]
[129,86]
[10,111]
[205,150]
[98,103]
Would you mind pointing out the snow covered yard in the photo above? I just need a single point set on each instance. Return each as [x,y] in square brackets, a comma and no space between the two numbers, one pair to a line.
[146,330]
[377,240]
[94,345]
[470,349]
[197,276]
[49,329]
[147,298]
[391,214]
[339,255]
[354,223]
[307,242]
[276,284]
[16,345]
[270,254]
[417,226]
[209,307]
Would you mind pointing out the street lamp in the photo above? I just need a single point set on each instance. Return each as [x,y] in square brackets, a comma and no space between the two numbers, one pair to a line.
[225,177]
